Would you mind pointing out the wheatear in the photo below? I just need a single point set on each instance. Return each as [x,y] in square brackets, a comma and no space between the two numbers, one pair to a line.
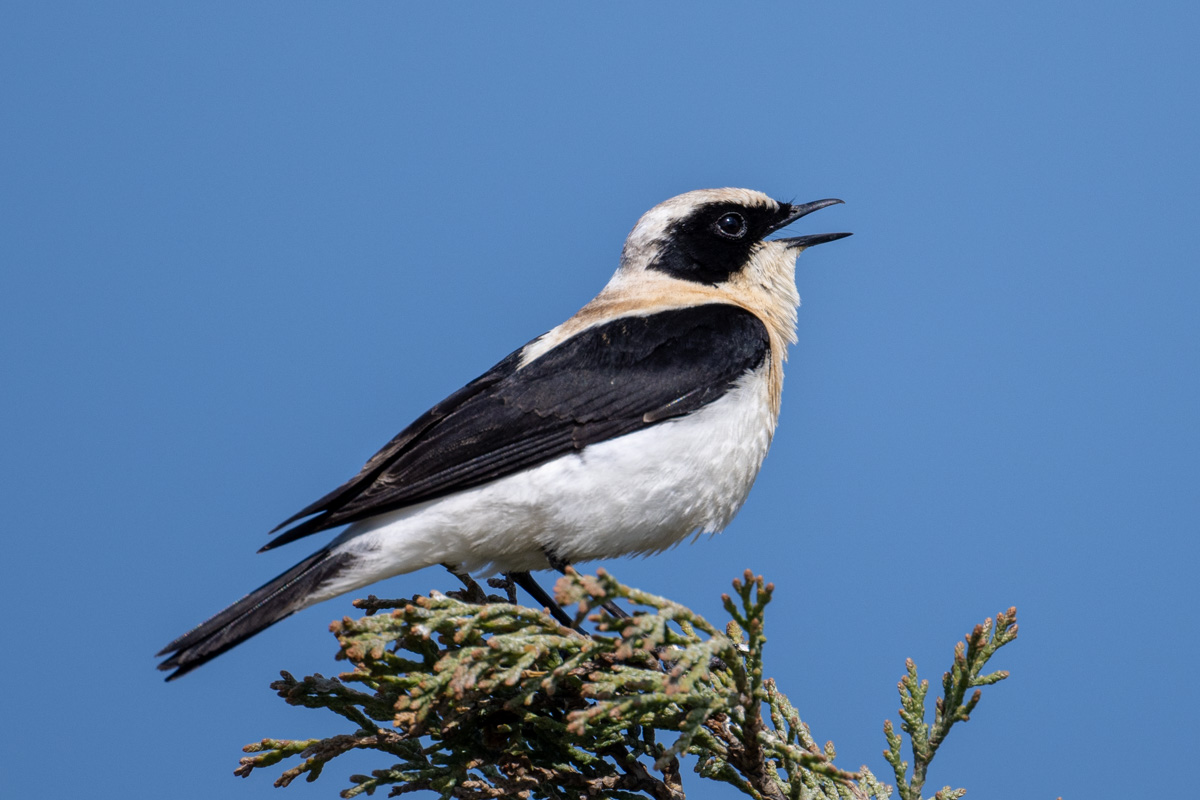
[639,421]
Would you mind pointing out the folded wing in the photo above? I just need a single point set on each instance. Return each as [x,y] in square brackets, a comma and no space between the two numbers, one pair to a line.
[609,380]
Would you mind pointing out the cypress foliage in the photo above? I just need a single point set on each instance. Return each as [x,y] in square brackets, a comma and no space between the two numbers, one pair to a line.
[471,696]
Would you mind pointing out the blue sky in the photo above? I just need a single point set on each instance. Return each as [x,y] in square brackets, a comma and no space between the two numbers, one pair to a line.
[244,244]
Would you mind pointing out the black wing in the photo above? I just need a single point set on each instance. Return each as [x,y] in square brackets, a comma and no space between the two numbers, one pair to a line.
[609,380]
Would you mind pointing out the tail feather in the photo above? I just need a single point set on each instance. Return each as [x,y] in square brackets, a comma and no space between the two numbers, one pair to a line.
[257,611]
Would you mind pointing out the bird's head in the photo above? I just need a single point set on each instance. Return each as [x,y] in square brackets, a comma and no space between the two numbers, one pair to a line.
[706,246]
[714,236]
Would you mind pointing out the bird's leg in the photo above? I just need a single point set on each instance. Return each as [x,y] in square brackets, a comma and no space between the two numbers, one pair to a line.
[557,564]
[561,564]
[526,582]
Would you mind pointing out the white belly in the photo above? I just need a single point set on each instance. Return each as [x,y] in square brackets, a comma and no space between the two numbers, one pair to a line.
[636,494]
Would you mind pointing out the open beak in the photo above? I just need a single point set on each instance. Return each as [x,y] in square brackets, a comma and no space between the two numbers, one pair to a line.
[795,213]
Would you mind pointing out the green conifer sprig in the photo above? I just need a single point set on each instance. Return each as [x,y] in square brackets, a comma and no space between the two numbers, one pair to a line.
[474,697]
[969,660]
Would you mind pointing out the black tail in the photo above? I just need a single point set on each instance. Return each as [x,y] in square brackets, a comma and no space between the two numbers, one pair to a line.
[257,611]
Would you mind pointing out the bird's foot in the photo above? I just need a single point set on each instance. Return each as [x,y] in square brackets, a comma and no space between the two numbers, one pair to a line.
[472,592]
[505,583]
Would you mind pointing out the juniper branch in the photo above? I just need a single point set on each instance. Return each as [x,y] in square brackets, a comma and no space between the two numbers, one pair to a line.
[969,661]
[478,698]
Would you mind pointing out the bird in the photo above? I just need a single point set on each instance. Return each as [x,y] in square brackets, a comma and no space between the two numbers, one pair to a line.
[637,423]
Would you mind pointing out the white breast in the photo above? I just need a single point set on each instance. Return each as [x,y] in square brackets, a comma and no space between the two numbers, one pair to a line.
[636,494]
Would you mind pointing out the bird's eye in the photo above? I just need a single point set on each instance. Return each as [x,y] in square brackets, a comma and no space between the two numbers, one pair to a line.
[731,225]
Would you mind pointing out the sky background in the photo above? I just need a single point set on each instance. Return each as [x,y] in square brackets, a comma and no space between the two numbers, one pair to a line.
[243,244]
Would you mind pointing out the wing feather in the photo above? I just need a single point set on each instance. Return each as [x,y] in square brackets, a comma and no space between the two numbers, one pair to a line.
[607,381]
